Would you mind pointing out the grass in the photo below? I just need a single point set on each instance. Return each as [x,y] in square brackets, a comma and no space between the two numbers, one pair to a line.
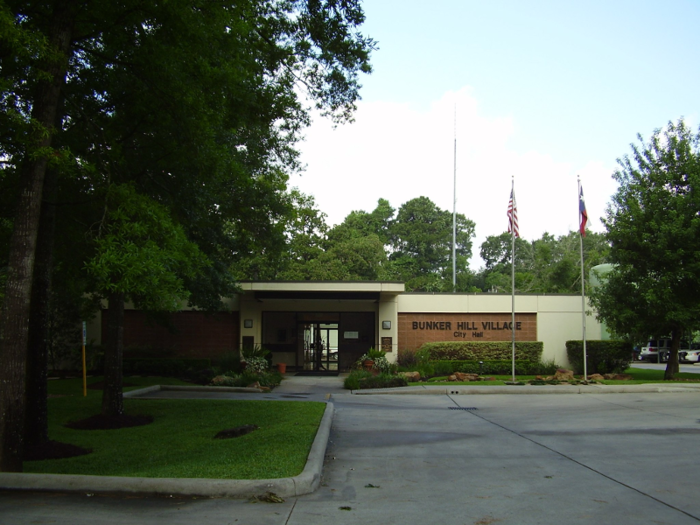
[179,443]
[639,376]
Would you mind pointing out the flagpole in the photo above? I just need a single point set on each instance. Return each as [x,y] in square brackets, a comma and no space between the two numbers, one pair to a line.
[582,234]
[512,274]
[454,213]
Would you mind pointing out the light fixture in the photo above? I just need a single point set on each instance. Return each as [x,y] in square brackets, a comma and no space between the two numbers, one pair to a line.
[248,323]
[386,325]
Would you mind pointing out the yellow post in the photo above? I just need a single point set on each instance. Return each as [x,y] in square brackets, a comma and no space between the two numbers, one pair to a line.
[84,370]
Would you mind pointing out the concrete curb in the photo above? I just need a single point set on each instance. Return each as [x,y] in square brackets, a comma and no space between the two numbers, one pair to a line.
[304,483]
[529,389]
[189,388]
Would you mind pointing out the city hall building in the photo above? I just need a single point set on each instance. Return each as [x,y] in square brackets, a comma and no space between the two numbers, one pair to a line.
[327,326]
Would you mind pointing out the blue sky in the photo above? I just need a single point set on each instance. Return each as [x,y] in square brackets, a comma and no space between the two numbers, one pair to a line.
[541,91]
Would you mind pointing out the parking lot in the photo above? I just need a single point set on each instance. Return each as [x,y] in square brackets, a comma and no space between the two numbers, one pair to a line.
[464,459]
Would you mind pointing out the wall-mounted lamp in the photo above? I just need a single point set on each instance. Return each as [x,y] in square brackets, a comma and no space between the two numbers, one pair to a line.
[386,325]
[248,323]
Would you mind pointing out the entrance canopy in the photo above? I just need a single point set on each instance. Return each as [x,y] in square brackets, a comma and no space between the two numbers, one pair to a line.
[319,325]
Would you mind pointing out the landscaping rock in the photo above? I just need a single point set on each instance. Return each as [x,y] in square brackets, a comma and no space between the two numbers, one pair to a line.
[562,374]
[410,376]
[595,377]
[466,377]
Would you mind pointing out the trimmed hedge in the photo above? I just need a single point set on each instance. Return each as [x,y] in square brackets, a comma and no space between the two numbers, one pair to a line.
[484,350]
[172,367]
[602,357]
[500,367]
[359,379]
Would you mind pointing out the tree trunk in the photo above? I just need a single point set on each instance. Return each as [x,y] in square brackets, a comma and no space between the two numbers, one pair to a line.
[672,366]
[36,426]
[112,399]
[15,314]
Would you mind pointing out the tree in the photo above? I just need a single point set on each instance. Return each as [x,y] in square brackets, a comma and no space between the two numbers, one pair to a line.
[199,105]
[34,151]
[545,265]
[421,246]
[142,256]
[653,227]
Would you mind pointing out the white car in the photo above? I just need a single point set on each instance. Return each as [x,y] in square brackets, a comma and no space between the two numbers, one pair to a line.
[690,356]
[655,351]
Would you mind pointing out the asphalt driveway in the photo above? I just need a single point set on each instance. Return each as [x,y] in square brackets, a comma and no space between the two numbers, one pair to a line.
[464,459]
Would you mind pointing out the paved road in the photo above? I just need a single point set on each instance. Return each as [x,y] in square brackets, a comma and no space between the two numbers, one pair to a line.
[687,368]
[464,459]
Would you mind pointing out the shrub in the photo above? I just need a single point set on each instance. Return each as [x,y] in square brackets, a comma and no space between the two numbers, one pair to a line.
[484,350]
[500,367]
[413,359]
[359,379]
[256,365]
[380,362]
[268,379]
[602,357]
[230,361]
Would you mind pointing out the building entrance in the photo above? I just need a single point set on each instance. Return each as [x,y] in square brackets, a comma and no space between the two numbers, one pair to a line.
[320,346]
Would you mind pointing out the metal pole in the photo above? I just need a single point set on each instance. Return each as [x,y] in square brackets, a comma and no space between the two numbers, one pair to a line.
[83,354]
[454,213]
[512,275]
[583,297]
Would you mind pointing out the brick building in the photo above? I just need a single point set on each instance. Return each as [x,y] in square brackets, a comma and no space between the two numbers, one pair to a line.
[328,325]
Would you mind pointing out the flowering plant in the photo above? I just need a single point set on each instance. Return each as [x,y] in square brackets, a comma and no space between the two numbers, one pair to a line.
[257,365]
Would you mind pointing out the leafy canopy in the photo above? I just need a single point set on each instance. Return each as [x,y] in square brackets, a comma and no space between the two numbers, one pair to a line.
[653,226]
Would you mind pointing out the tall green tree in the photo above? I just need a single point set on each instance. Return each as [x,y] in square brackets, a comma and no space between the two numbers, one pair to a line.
[141,255]
[199,105]
[421,245]
[653,226]
[31,106]
[546,265]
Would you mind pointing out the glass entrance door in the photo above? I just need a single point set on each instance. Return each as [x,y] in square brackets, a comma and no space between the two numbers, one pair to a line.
[320,346]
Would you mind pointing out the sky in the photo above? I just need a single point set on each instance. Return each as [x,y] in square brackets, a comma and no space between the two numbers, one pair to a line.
[502,92]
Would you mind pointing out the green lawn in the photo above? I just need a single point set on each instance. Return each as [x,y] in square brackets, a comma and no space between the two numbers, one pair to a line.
[640,376]
[179,443]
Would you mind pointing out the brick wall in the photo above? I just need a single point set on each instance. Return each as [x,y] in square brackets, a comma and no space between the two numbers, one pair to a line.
[189,334]
[415,329]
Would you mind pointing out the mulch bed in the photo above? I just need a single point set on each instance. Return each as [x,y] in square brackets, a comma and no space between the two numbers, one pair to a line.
[53,450]
[58,450]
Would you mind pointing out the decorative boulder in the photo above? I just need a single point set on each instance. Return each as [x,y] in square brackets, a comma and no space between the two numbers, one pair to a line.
[562,374]
[410,376]
[466,377]
[595,377]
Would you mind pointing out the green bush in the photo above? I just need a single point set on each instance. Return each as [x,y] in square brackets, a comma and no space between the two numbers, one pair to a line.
[359,379]
[602,357]
[500,367]
[484,350]
[269,379]
[229,362]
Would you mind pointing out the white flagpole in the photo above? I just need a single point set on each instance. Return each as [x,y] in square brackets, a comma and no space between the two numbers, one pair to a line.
[512,273]
[583,291]
[454,213]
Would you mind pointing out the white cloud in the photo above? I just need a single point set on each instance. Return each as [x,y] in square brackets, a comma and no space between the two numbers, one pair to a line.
[396,152]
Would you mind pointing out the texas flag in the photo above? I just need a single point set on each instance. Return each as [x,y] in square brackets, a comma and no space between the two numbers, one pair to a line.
[583,215]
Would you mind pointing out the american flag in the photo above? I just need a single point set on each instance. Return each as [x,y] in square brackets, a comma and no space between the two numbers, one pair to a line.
[513,215]
[583,215]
